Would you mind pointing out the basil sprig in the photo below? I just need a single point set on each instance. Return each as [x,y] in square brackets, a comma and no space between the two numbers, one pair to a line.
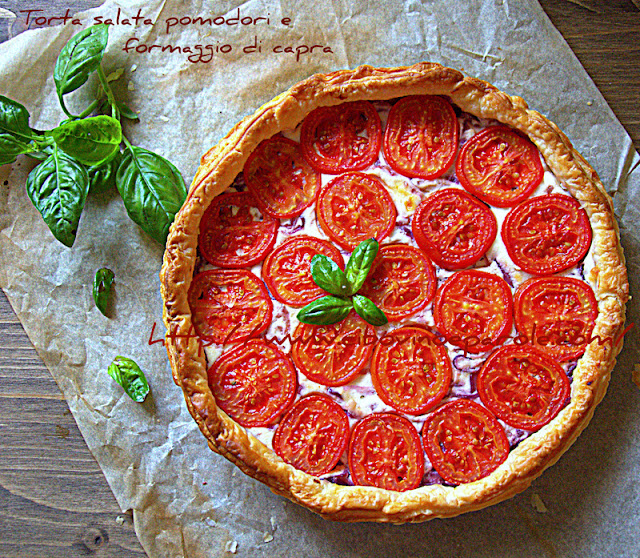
[129,375]
[343,286]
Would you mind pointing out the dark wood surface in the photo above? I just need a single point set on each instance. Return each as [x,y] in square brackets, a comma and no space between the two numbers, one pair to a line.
[54,500]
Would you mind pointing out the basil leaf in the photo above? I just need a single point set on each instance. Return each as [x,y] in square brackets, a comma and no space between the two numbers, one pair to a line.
[102,288]
[359,263]
[152,189]
[103,177]
[78,59]
[15,133]
[58,188]
[127,112]
[325,311]
[368,311]
[90,141]
[328,276]
[128,374]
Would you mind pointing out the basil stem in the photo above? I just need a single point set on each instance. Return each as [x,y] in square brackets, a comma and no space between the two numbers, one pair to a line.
[359,264]
[128,374]
[368,311]
[328,276]
[102,288]
[91,141]
[325,311]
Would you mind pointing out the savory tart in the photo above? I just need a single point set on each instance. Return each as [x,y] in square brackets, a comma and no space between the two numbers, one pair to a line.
[452,368]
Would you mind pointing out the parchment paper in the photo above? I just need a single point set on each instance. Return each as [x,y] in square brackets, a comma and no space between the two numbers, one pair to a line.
[188,501]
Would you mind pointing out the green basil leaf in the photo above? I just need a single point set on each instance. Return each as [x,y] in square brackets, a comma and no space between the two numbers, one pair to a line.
[325,311]
[15,133]
[152,189]
[328,276]
[127,112]
[368,311]
[128,374]
[78,59]
[58,188]
[91,141]
[102,288]
[359,263]
[103,177]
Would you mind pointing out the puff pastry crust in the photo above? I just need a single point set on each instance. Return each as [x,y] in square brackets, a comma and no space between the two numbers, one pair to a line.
[220,165]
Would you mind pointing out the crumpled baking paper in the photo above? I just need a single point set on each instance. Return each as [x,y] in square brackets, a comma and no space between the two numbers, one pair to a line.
[187,501]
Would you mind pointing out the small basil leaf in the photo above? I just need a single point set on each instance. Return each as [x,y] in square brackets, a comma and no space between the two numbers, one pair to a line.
[360,262]
[58,188]
[91,141]
[126,111]
[128,374]
[102,288]
[328,276]
[368,311]
[325,311]
[79,58]
[15,134]
[103,177]
[152,189]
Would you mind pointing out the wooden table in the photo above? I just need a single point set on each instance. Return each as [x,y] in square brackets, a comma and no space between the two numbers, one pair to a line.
[54,500]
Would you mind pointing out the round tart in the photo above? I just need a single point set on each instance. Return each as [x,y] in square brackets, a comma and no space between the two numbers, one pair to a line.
[500,271]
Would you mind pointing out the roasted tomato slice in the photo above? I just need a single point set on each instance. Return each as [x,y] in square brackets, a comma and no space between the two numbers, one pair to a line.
[342,138]
[547,234]
[401,281]
[313,434]
[411,370]
[333,355]
[421,137]
[385,451]
[287,270]
[474,310]
[556,314]
[235,233]
[523,386]
[500,166]
[229,305]
[464,441]
[254,383]
[353,207]
[454,228]
[280,178]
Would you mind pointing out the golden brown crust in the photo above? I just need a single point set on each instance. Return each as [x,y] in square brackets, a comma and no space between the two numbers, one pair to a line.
[221,164]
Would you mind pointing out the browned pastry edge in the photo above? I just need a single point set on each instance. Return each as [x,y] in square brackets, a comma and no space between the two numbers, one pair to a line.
[219,167]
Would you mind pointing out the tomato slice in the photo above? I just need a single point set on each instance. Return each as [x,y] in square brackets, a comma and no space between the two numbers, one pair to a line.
[410,370]
[421,137]
[280,178]
[464,442]
[401,282]
[500,166]
[341,138]
[234,232]
[454,228]
[547,234]
[354,207]
[523,386]
[333,355]
[287,270]
[313,435]
[474,310]
[229,305]
[254,383]
[385,451]
[556,314]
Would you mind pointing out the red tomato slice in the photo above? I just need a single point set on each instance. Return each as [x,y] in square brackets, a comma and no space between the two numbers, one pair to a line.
[229,305]
[354,207]
[254,383]
[523,386]
[280,178]
[547,234]
[235,233]
[464,442]
[421,138]
[500,166]
[557,315]
[333,355]
[454,228]
[474,310]
[385,451]
[411,370]
[313,435]
[342,138]
[287,270]
[401,282]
